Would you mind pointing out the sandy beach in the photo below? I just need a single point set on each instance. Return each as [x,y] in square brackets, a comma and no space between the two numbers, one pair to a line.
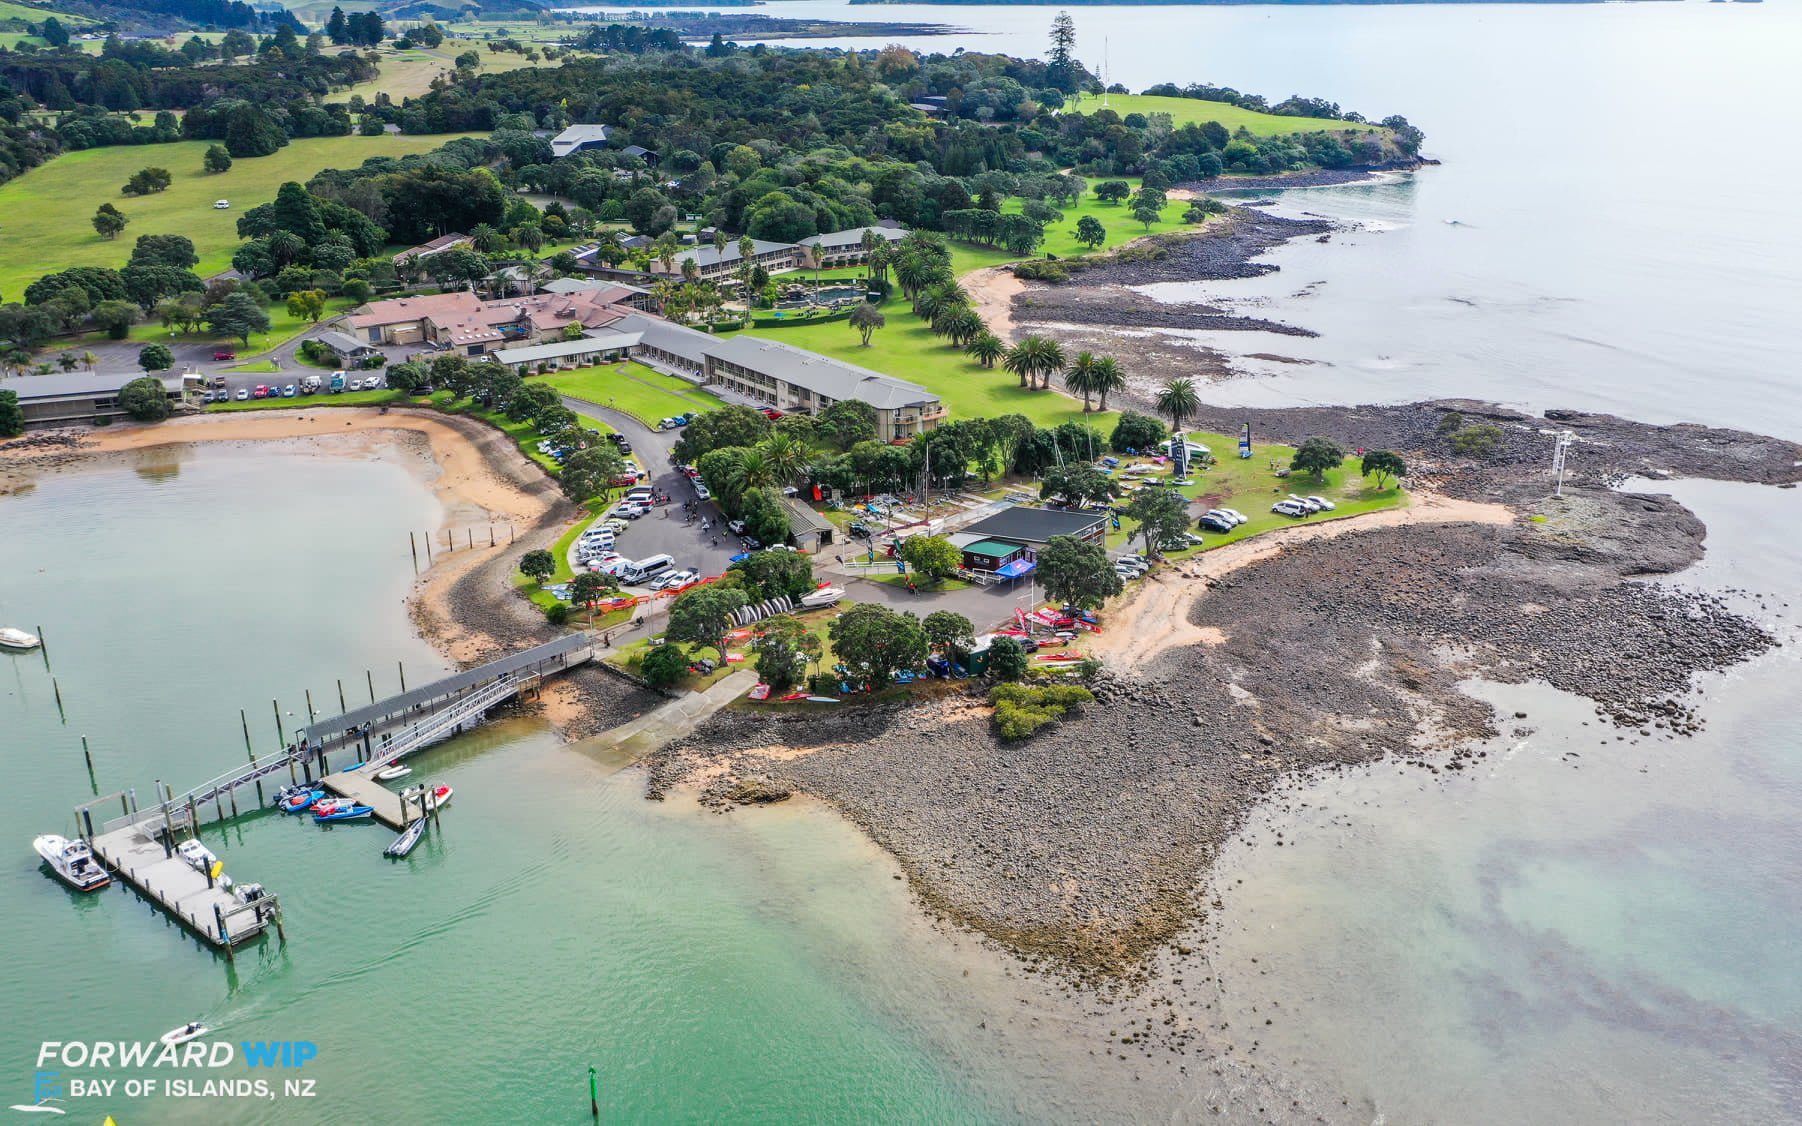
[1155,617]
[475,471]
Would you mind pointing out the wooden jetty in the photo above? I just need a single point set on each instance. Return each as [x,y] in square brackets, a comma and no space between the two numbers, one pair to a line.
[139,845]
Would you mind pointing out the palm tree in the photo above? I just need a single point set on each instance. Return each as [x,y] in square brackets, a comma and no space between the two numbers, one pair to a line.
[1178,400]
[90,359]
[666,249]
[1080,377]
[747,248]
[938,297]
[485,238]
[1108,379]
[67,361]
[879,262]
[15,360]
[753,471]
[787,456]
[962,325]
[691,270]
[1034,358]
[986,349]
[663,291]
[720,239]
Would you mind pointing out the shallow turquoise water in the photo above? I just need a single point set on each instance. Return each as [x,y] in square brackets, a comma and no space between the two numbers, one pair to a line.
[758,969]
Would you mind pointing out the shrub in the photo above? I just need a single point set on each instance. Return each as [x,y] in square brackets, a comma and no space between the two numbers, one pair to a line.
[1449,422]
[664,665]
[1479,440]
[1021,710]
[556,613]
[1044,271]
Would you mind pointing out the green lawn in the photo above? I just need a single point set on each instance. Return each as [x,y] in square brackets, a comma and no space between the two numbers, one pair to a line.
[1060,237]
[44,214]
[1184,111]
[907,349]
[639,391]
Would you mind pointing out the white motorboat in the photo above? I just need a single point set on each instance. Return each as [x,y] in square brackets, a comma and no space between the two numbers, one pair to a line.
[824,596]
[390,773]
[11,638]
[196,854]
[72,861]
[193,1030]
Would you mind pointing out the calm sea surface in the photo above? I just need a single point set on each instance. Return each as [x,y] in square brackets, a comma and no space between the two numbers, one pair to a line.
[1585,931]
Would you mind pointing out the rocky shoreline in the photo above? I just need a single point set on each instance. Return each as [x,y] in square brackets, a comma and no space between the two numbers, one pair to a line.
[1089,312]
[1082,850]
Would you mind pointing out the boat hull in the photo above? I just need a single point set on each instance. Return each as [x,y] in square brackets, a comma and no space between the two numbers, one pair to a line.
[50,848]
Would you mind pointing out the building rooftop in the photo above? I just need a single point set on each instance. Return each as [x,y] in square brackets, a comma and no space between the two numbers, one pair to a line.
[820,374]
[854,236]
[66,384]
[578,136]
[557,349]
[802,518]
[993,549]
[342,343]
[1035,525]
[710,255]
[442,242]
[676,339]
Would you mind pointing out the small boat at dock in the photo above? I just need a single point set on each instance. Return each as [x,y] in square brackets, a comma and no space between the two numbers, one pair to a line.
[301,800]
[405,843]
[390,773]
[72,862]
[428,798]
[18,639]
[345,811]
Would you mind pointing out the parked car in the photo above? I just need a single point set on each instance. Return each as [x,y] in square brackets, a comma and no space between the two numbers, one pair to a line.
[1289,508]
[750,543]
[1214,523]
[666,424]
[689,471]
[1238,517]
[736,527]
[243,393]
[261,392]
[674,579]
[702,492]
[1324,504]
[1192,539]
[222,205]
[771,413]
[225,354]
[629,511]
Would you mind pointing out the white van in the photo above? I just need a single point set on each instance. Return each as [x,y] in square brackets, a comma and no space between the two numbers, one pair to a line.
[650,568]
[639,492]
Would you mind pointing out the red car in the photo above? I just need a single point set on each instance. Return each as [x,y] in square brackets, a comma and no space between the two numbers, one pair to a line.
[225,355]
[771,414]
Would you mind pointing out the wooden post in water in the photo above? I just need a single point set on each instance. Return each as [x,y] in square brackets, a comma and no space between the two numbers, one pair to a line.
[58,689]
[370,677]
[341,708]
[280,736]
[44,648]
[594,1095]
[413,545]
[86,754]
[234,794]
[403,676]
[311,715]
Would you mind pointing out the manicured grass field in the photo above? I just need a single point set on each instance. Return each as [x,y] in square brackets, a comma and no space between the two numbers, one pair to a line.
[641,392]
[409,73]
[45,214]
[283,327]
[1060,237]
[1183,111]
[907,350]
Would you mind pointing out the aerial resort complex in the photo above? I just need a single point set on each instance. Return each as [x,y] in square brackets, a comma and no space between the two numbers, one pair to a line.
[1138,564]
